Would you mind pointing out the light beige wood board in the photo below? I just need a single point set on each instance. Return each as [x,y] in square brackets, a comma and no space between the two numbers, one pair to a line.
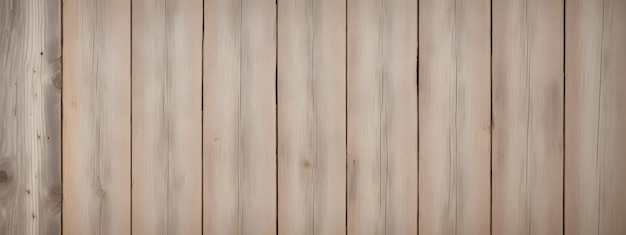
[239,117]
[595,111]
[30,117]
[382,117]
[311,117]
[527,159]
[96,117]
[455,117]
[167,117]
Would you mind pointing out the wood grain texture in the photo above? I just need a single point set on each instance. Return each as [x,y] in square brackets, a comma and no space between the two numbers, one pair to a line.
[528,117]
[30,117]
[96,117]
[595,112]
[167,117]
[222,63]
[454,121]
[239,117]
[382,117]
[311,117]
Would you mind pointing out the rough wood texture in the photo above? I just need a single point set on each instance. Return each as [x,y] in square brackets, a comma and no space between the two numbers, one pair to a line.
[167,117]
[96,117]
[30,117]
[528,117]
[454,121]
[311,117]
[382,117]
[240,117]
[595,167]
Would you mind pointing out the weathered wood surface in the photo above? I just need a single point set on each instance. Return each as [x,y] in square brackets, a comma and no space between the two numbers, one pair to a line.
[382,117]
[167,117]
[96,117]
[595,167]
[239,117]
[454,121]
[30,117]
[311,117]
[528,78]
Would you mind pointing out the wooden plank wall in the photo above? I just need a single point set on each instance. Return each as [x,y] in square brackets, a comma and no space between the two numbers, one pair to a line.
[312,117]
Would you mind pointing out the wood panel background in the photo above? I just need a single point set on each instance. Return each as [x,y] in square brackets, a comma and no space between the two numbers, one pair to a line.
[312,117]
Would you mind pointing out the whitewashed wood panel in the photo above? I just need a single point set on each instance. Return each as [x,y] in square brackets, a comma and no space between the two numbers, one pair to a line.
[528,77]
[382,117]
[455,117]
[96,117]
[167,117]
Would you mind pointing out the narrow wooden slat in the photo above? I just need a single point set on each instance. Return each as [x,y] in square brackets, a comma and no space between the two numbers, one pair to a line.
[240,117]
[96,117]
[583,53]
[167,117]
[528,117]
[311,117]
[257,120]
[454,121]
[595,131]
[382,117]
[30,117]
[221,75]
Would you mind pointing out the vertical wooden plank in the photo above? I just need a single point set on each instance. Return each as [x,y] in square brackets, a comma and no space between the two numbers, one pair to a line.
[382,117]
[311,117]
[96,117]
[612,120]
[528,117]
[454,122]
[583,58]
[257,121]
[30,117]
[167,117]
[595,130]
[221,75]
[240,121]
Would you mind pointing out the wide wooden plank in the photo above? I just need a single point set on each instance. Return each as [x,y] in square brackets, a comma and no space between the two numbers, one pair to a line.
[455,117]
[311,117]
[595,130]
[527,157]
[167,117]
[382,117]
[239,117]
[30,117]
[96,117]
